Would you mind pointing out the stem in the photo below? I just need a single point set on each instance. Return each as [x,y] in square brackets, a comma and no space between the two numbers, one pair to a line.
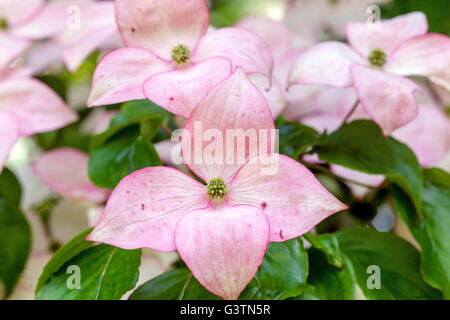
[166,129]
[349,114]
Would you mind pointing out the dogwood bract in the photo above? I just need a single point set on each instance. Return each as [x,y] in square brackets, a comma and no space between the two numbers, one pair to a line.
[169,58]
[221,230]
[375,63]
[27,107]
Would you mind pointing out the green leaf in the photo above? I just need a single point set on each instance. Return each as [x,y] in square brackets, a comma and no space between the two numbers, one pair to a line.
[360,145]
[177,284]
[398,260]
[329,244]
[295,138]
[10,188]
[282,274]
[120,155]
[142,112]
[64,254]
[330,282]
[431,228]
[15,243]
[106,273]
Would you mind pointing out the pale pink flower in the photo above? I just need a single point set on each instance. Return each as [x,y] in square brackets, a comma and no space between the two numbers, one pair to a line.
[376,63]
[169,57]
[221,230]
[64,171]
[74,29]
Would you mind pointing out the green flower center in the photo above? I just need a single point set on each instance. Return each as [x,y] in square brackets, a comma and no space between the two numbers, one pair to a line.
[216,189]
[181,54]
[3,23]
[377,58]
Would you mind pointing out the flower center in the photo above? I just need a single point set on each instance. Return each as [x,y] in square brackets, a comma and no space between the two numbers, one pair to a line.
[377,58]
[181,54]
[3,23]
[216,189]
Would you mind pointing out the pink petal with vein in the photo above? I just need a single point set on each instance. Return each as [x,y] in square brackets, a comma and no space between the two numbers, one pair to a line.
[287,192]
[36,107]
[223,246]
[327,63]
[120,75]
[160,25]
[243,47]
[427,55]
[180,90]
[235,107]
[388,99]
[387,34]
[144,208]
[64,171]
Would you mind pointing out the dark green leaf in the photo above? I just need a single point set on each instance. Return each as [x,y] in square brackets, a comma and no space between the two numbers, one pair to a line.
[123,153]
[177,284]
[282,274]
[15,243]
[360,145]
[295,138]
[330,282]
[431,227]
[64,254]
[435,10]
[106,273]
[398,262]
[329,244]
[10,188]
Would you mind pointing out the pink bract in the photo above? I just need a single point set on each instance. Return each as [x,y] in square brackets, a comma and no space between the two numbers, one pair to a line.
[64,171]
[222,240]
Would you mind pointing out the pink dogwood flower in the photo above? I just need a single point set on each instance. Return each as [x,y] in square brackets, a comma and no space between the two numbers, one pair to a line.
[376,62]
[220,229]
[64,171]
[169,58]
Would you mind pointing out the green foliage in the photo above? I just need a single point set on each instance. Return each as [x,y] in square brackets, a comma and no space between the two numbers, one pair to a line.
[330,282]
[126,146]
[15,233]
[281,275]
[360,145]
[398,262]
[431,227]
[106,272]
[10,188]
